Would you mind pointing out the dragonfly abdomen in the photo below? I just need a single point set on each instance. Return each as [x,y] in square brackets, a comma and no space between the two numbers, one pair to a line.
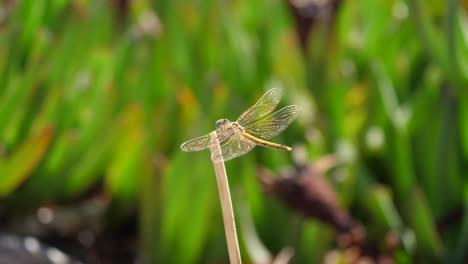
[266,143]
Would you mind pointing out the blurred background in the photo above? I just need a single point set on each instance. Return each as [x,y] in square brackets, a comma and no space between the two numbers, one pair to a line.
[96,97]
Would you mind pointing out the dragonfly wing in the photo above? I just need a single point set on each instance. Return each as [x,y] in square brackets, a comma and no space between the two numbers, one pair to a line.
[275,123]
[233,147]
[263,107]
[197,144]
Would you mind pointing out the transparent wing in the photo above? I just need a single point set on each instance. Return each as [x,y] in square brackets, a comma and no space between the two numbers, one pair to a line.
[263,107]
[233,147]
[197,144]
[275,123]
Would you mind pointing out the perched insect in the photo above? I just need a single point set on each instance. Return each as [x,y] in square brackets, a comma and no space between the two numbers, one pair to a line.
[252,128]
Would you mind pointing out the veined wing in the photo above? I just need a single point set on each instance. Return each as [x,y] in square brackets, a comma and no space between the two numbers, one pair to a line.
[233,147]
[197,144]
[204,142]
[275,123]
[263,107]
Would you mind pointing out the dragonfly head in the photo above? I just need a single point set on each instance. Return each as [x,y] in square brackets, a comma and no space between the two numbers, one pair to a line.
[222,123]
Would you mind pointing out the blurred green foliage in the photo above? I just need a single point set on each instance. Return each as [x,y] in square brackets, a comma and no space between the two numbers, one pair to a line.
[90,94]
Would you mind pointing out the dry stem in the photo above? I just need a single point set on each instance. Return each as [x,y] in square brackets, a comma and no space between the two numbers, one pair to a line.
[226,204]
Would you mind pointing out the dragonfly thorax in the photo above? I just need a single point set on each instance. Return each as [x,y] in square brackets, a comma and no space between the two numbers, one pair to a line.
[226,128]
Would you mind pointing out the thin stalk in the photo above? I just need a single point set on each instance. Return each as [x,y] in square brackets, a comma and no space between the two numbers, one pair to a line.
[433,43]
[462,244]
[427,32]
[451,18]
[258,253]
[226,204]
[451,27]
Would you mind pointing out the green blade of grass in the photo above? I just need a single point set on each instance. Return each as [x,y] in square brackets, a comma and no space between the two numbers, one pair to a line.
[428,242]
[120,178]
[19,166]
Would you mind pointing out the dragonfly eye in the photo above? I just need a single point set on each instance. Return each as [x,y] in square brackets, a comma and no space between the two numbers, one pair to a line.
[220,123]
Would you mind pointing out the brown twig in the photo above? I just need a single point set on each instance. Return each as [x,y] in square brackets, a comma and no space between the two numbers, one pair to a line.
[226,204]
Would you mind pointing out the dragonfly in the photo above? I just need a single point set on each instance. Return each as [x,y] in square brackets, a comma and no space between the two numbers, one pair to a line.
[252,128]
